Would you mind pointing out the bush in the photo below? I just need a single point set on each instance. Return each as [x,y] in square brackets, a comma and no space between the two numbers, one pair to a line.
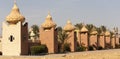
[66,47]
[81,48]
[36,50]
[100,48]
[0,53]
[108,46]
[117,46]
[90,48]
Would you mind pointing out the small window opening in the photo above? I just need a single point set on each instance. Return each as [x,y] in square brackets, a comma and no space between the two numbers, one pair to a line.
[11,38]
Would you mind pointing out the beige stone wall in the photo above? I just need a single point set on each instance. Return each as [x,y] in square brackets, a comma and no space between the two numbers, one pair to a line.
[117,41]
[0,45]
[107,39]
[93,40]
[18,45]
[102,42]
[48,38]
[71,39]
[107,42]
[78,38]
[113,42]
[84,39]
[11,48]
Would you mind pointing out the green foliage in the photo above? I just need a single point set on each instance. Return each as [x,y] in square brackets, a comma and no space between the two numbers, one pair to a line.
[81,48]
[111,33]
[108,46]
[66,47]
[59,29]
[117,46]
[79,25]
[100,48]
[89,27]
[99,31]
[36,50]
[103,28]
[35,30]
[62,36]
[62,40]
[90,48]
[0,53]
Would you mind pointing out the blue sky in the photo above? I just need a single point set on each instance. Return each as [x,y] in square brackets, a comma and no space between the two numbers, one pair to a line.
[98,12]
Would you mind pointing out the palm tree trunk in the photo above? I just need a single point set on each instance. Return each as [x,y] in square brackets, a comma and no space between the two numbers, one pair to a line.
[98,44]
[88,41]
[62,48]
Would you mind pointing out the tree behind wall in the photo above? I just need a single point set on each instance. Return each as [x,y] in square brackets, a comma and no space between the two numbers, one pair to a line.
[89,27]
[62,40]
[35,30]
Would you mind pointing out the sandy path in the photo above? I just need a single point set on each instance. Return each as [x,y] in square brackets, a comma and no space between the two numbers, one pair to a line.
[101,54]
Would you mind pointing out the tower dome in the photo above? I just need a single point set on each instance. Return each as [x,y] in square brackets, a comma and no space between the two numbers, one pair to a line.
[107,33]
[84,29]
[68,26]
[48,22]
[94,31]
[102,33]
[15,15]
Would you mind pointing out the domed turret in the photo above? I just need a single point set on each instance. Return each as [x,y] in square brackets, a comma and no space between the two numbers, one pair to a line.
[15,15]
[107,33]
[113,35]
[84,29]
[102,33]
[48,22]
[94,31]
[68,26]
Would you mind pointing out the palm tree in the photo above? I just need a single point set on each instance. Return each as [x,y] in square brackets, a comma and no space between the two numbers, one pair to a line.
[79,25]
[62,35]
[89,27]
[59,29]
[35,29]
[78,28]
[98,38]
[103,28]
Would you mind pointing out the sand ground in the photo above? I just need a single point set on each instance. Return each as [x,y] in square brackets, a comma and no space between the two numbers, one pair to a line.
[100,54]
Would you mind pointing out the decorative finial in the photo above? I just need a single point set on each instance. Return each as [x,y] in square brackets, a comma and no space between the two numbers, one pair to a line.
[49,16]
[68,21]
[15,15]
[14,1]
[68,26]
[48,12]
